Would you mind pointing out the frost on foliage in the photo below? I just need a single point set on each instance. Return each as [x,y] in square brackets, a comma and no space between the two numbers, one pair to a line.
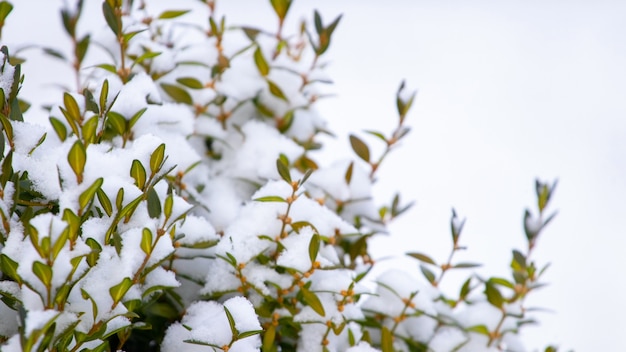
[233,324]
[176,187]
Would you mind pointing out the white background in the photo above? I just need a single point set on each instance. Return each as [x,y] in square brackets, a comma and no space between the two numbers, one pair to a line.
[508,91]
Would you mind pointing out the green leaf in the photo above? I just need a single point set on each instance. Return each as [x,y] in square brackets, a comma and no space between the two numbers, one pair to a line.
[105,202]
[128,210]
[108,67]
[7,126]
[154,204]
[5,9]
[87,196]
[118,291]
[117,122]
[428,274]
[465,289]
[270,199]
[386,340]
[172,14]
[169,204]
[348,176]
[286,121]
[502,282]
[81,48]
[43,272]
[231,321]
[493,295]
[314,247]
[481,329]
[312,301]
[156,159]
[360,148]
[73,222]
[138,173]
[9,268]
[146,241]
[281,7]
[77,159]
[89,130]
[111,19]
[245,334]
[60,243]
[133,120]
[104,93]
[178,94]
[92,257]
[71,106]
[260,62]
[283,170]
[276,91]
[422,257]
[190,82]
[466,265]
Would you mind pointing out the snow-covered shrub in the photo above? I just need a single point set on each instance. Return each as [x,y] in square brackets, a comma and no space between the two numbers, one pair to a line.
[174,202]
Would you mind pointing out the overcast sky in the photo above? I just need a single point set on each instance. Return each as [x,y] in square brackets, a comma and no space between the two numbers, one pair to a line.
[508,91]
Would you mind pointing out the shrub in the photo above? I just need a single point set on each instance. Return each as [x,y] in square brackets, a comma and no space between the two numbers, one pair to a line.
[174,202]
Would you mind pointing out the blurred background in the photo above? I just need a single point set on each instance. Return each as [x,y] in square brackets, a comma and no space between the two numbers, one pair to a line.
[508,91]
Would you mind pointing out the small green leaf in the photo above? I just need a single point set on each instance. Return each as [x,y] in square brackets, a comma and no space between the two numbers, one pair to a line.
[105,202]
[118,291]
[117,122]
[466,265]
[156,159]
[502,282]
[9,268]
[465,289]
[73,222]
[286,121]
[231,321]
[169,204]
[386,340]
[89,130]
[422,257]
[138,173]
[178,94]
[92,257]
[360,148]
[493,295]
[111,19]
[7,126]
[283,170]
[348,176]
[81,48]
[314,247]
[428,274]
[77,159]
[133,120]
[146,241]
[71,106]
[312,301]
[481,329]
[270,199]
[260,62]
[154,204]
[276,91]
[104,93]
[281,7]
[108,67]
[43,272]
[87,196]
[245,334]
[190,82]
[5,9]
[172,14]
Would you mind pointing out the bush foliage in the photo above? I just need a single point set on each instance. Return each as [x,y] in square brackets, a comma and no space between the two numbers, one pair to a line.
[175,202]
